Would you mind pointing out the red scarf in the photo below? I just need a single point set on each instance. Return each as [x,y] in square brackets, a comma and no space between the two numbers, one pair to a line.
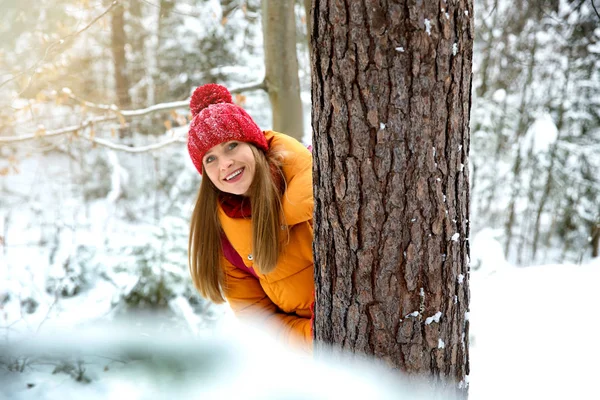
[235,206]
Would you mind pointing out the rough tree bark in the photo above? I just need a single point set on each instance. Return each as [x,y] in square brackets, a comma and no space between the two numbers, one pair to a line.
[391,97]
[281,66]
[120,62]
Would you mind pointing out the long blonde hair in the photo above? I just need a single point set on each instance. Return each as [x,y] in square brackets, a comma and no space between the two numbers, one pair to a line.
[204,246]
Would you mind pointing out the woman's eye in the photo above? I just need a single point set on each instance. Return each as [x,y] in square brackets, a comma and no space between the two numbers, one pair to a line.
[232,145]
[209,159]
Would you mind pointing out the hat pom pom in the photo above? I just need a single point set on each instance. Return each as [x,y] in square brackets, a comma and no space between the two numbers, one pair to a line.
[208,94]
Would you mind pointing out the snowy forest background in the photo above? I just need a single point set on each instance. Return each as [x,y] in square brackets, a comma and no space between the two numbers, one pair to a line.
[96,187]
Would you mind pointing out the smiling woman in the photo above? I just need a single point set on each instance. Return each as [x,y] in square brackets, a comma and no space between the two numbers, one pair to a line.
[230,166]
[251,229]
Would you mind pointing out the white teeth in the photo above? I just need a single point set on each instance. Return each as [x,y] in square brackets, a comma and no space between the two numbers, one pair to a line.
[236,173]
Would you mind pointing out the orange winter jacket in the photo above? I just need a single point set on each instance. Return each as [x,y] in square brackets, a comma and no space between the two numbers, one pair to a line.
[281,298]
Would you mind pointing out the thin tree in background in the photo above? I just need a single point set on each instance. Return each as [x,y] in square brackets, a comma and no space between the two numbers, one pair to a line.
[391,96]
[524,119]
[281,66]
[120,62]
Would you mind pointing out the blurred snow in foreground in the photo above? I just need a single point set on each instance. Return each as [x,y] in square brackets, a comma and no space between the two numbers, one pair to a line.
[134,363]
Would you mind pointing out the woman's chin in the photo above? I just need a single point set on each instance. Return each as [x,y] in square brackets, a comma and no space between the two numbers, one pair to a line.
[238,191]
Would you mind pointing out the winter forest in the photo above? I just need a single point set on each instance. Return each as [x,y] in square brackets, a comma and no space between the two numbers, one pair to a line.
[96,191]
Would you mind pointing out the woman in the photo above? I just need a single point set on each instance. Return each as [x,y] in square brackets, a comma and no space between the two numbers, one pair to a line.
[251,230]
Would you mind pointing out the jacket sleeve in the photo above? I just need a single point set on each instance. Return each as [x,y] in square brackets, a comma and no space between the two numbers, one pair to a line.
[249,302]
[298,200]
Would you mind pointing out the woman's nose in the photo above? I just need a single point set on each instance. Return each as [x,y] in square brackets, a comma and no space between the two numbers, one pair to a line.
[225,163]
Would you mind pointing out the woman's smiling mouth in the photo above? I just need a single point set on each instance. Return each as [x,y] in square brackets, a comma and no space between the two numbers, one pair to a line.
[234,176]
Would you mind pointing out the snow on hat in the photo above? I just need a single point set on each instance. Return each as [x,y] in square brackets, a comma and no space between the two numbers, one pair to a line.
[216,119]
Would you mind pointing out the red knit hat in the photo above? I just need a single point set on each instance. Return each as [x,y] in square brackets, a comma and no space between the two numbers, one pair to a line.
[216,119]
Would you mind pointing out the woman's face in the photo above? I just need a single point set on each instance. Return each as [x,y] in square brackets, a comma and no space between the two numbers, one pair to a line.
[230,166]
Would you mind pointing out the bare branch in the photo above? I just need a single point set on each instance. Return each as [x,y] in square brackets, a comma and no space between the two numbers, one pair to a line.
[47,316]
[254,86]
[595,9]
[56,43]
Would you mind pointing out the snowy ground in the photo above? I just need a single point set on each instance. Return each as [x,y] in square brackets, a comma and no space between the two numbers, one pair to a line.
[534,334]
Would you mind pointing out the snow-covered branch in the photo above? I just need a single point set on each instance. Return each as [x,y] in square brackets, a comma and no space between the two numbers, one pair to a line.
[102,142]
[155,108]
[89,104]
[158,107]
[118,115]
[141,149]
[128,113]
[41,132]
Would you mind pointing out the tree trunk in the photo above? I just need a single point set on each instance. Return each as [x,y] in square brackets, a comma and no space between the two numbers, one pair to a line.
[391,97]
[487,52]
[553,159]
[518,165]
[160,91]
[309,24]
[120,62]
[495,182]
[281,66]
[595,239]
